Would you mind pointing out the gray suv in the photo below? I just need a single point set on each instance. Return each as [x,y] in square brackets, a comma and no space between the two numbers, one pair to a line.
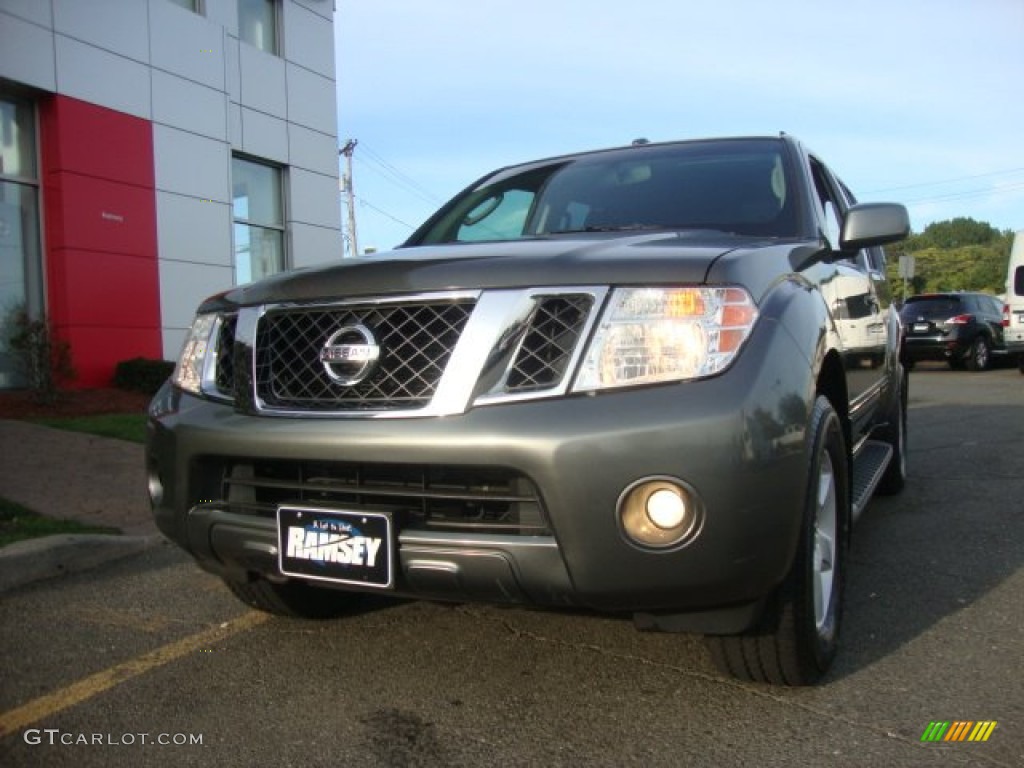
[659,381]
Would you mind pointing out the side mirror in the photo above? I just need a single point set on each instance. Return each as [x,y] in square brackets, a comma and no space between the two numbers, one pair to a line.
[870,224]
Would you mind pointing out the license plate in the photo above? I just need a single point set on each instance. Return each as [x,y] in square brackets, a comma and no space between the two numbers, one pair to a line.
[920,327]
[335,545]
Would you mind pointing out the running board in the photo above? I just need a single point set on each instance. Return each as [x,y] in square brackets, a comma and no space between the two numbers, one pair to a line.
[868,468]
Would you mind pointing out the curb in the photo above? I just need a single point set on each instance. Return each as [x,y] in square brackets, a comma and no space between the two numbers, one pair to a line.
[25,562]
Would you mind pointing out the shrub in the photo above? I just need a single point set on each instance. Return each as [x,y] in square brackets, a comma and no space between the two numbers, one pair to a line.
[141,374]
[44,359]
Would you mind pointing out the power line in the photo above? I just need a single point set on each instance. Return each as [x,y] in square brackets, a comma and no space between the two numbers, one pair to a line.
[382,212]
[402,175]
[967,194]
[398,177]
[947,181]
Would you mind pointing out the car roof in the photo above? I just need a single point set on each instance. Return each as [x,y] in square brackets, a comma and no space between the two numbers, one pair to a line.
[642,145]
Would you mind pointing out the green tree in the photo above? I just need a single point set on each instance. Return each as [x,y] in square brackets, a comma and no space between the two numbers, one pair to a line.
[956,233]
[960,254]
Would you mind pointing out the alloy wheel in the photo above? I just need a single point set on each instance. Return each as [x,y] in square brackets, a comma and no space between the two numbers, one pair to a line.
[824,559]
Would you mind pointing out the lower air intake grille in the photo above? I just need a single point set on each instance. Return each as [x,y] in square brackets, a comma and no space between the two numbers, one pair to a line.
[459,499]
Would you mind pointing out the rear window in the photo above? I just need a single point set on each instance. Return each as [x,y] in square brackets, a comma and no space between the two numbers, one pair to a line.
[932,307]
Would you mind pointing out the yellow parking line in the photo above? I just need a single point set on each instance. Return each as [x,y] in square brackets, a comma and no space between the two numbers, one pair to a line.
[52,703]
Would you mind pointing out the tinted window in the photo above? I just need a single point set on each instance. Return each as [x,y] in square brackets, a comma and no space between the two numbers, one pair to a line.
[741,187]
[932,307]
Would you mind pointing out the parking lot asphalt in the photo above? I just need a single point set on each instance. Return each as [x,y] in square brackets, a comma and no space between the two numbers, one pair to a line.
[94,480]
[151,645]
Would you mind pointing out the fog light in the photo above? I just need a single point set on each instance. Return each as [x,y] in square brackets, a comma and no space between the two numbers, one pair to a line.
[660,512]
[666,509]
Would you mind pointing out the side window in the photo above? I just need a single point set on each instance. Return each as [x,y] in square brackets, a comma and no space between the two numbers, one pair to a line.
[877,260]
[828,202]
[500,217]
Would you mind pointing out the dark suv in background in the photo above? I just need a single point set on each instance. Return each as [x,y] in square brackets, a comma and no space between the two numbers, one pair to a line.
[964,329]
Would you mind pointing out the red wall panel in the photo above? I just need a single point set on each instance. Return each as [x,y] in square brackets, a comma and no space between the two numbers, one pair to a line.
[104,216]
[106,348]
[103,288]
[96,141]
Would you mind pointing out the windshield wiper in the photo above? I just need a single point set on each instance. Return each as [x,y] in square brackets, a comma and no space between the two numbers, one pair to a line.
[618,228]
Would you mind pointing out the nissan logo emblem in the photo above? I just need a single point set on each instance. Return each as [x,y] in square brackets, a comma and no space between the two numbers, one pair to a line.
[350,354]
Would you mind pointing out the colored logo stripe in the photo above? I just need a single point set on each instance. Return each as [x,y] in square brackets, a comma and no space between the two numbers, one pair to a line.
[982,731]
[958,730]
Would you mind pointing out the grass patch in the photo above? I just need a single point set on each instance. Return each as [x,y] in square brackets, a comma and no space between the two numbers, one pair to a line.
[122,426]
[18,523]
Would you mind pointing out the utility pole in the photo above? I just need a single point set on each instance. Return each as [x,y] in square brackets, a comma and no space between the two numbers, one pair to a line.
[346,187]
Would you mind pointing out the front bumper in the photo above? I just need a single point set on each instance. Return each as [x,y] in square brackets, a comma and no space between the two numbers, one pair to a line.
[719,436]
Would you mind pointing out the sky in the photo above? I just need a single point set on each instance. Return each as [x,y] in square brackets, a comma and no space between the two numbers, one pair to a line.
[913,101]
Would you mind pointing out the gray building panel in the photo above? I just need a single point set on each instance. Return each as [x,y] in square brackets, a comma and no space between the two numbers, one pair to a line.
[27,52]
[95,75]
[112,25]
[312,100]
[189,106]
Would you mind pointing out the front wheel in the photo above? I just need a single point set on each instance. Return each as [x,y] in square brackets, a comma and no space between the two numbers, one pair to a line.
[796,639]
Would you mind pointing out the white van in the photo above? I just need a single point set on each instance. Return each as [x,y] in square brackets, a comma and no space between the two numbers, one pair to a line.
[1013,311]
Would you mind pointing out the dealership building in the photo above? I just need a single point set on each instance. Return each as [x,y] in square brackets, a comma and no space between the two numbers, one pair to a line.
[155,152]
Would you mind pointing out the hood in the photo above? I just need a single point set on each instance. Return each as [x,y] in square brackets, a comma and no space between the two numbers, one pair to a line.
[587,259]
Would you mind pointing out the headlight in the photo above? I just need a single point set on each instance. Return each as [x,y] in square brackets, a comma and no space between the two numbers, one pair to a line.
[650,335]
[192,364]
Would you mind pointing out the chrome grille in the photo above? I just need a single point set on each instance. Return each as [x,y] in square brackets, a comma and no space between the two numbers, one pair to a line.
[459,499]
[549,343]
[416,342]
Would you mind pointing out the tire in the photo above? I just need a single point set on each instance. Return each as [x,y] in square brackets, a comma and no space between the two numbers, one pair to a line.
[293,599]
[895,434]
[979,357]
[1020,363]
[796,638]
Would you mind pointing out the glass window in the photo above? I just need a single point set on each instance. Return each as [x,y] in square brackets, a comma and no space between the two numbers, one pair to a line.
[501,217]
[21,282]
[17,140]
[257,24]
[259,220]
[193,5]
[731,186]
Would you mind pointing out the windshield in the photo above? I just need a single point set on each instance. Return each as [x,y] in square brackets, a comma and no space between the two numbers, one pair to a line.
[736,186]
